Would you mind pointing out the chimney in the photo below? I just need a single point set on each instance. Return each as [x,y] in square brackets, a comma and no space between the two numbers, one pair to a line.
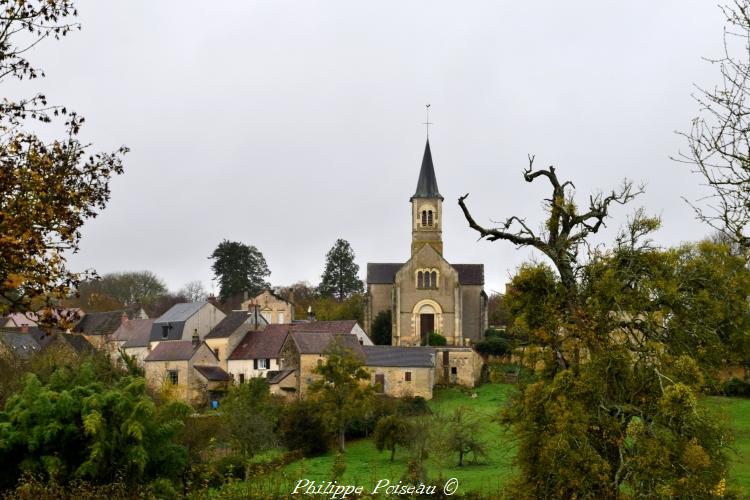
[25,328]
[213,300]
[196,338]
[124,318]
[310,314]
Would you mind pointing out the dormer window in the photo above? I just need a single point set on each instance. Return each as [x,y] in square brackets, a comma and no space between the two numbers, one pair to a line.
[164,331]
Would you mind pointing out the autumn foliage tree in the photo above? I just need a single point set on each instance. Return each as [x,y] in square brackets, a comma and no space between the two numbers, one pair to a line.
[49,187]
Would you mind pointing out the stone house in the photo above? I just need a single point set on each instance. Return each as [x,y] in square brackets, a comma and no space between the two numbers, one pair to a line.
[132,337]
[258,353]
[189,367]
[427,293]
[183,321]
[275,309]
[302,352]
[99,327]
[458,365]
[401,371]
[229,332]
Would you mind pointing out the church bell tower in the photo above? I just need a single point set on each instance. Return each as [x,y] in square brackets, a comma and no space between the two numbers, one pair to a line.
[427,208]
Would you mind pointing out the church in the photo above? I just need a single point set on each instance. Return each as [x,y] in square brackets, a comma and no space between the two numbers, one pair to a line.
[427,294]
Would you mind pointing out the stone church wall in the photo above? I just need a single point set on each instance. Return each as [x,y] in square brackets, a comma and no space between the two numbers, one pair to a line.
[473,317]
[380,299]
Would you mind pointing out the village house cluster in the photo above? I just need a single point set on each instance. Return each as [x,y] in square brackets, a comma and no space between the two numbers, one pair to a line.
[195,350]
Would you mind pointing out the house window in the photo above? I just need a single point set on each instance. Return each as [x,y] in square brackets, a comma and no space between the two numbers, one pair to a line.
[429,218]
[281,317]
[420,280]
[262,364]
[242,378]
[424,218]
[173,376]
[216,351]
[433,280]
[407,376]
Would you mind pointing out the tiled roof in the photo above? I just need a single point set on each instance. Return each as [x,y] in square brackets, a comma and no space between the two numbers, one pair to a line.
[175,350]
[279,376]
[470,274]
[22,345]
[341,326]
[180,312]
[263,344]
[23,319]
[134,333]
[230,324]
[41,337]
[100,323]
[76,342]
[319,342]
[385,355]
[174,319]
[213,373]
[385,273]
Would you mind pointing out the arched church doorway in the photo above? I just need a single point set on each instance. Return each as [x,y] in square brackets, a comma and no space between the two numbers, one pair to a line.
[427,314]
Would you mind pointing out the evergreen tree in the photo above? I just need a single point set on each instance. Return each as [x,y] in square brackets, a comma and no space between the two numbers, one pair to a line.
[381,328]
[340,278]
[239,268]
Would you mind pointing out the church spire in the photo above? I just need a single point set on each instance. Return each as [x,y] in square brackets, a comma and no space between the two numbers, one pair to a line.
[427,184]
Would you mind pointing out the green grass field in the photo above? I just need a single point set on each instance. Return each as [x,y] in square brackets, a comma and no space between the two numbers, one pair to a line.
[365,465]
[738,412]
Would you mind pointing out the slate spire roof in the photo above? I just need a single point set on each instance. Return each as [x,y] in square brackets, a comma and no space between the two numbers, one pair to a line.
[427,184]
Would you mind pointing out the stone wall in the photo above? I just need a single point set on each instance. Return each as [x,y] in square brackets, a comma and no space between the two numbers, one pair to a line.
[421,384]
[458,365]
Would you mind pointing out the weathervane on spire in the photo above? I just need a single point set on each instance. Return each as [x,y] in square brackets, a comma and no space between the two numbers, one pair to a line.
[428,123]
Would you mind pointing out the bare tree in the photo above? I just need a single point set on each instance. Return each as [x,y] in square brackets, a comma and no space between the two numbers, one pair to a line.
[193,291]
[719,139]
[565,230]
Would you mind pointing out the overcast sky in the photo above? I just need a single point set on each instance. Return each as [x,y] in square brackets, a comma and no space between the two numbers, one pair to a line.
[287,125]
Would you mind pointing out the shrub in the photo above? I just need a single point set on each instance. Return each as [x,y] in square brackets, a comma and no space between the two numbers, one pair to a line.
[301,427]
[493,346]
[436,339]
[413,406]
[737,388]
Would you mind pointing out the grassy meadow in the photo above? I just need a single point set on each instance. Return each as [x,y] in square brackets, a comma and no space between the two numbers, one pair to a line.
[365,465]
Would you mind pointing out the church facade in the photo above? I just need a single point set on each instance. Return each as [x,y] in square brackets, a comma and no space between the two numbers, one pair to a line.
[427,294]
